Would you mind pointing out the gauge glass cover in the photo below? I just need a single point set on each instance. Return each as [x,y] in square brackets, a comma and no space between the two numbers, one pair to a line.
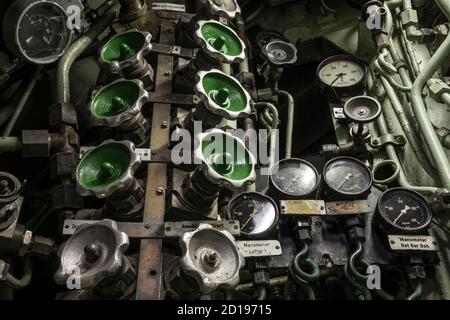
[255,212]
[347,176]
[341,73]
[294,177]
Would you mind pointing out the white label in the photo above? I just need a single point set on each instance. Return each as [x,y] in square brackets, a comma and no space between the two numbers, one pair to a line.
[339,113]
[419,243]
[259,248]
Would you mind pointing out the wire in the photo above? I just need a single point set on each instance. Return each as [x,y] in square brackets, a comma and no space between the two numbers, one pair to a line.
[299,261]
[352,262]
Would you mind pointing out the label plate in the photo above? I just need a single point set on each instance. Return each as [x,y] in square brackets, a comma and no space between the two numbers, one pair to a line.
[412,243]
[177,229]
[259,248]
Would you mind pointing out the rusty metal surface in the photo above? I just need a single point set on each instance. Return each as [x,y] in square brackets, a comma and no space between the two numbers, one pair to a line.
[348,207]
[303,207]
[150,261]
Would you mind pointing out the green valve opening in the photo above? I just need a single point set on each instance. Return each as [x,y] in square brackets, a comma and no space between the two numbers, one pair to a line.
[123,47]
[226,156]
[103,166]
[222,39]
[115,99]
[224,91]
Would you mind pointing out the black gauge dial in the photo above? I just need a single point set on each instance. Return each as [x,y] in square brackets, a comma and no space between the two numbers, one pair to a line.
[37,30]
[347,177]
[256,213]
[341,76]
[405,211]
[294,178]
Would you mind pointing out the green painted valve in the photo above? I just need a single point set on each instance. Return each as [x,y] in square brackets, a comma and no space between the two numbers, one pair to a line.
[224,159]
[107,169]
[222,95]
[118,102]
[219,42]
[126,50]
[227,9]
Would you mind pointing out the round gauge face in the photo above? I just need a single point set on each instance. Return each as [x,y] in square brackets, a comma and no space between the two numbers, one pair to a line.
[347,176]
[257,214]
[404,210]
[294,177]
[42,33]
[341,72]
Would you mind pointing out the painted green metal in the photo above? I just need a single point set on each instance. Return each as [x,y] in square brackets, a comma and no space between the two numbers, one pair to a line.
[123,47]
[221,39]
[115,99]
[224,92]
[228,160]
[439,156]
[103,166]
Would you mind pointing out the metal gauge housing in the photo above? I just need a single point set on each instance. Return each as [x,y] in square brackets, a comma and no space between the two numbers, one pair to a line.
[403,211]
[257,214]
[340,77]
[347,178]
[37,30]
[293,179]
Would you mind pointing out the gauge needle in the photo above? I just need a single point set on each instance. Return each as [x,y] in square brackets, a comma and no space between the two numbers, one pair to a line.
[293,180]
[252,215]
[347,177]
[340,75]
[402,212]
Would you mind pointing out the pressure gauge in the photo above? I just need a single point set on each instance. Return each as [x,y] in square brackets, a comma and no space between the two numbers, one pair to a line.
[293,179]
[347,178]
[37,30]
[257,214]
[341,76]
[403,211]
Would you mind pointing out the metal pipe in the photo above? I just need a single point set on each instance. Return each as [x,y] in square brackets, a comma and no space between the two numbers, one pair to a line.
[22,102]
[10,144]
[290,121]
[76,49]
[392,154]
[273,131]
[407,128]
[21,283]
[240,24]
[437,152]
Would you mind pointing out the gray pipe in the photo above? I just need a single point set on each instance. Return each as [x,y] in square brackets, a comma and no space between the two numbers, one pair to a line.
[437,152]
[76,49]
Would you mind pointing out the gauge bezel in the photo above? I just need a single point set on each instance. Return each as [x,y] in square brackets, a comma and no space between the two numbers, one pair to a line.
[389,227]
[336,94]
[282,195]
[14,17]
[343,194]
[269,231]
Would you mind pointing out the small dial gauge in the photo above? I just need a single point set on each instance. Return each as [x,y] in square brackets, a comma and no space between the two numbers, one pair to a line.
[40,32]
[347,177]
[341,76]
[257,214]
[294,178]
[405,211]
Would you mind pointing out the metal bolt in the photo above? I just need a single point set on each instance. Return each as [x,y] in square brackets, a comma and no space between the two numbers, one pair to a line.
[147,226]
[160,190]
[167,73]
[164,124]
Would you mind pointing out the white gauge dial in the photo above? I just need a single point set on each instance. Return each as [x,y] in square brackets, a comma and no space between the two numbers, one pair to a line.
[341,73]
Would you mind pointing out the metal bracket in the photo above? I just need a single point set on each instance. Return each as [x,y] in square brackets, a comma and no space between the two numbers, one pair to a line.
[146,155]
[174,50]
[380,142]
[132,229]
[174,98]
